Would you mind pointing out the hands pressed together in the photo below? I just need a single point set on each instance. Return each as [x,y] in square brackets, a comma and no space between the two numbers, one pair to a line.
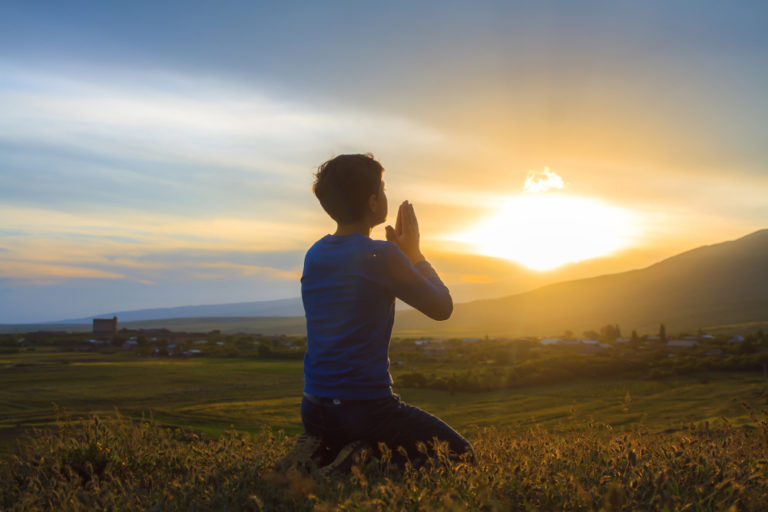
[406,232]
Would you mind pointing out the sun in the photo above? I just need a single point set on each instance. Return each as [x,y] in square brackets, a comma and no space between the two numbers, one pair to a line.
[544,230]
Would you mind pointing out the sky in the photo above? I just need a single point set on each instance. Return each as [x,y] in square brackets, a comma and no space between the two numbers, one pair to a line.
[161,154]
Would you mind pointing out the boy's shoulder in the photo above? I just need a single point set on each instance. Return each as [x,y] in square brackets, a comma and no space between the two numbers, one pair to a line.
[352,243]
[351,246]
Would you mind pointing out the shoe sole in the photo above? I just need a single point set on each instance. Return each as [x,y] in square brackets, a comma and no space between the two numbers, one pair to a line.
[345,459]
[300,456]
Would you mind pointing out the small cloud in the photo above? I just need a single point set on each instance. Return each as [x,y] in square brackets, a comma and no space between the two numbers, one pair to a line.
[541,181]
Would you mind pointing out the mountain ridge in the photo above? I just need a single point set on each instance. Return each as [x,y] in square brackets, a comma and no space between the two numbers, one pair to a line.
[719,283]
[288,307]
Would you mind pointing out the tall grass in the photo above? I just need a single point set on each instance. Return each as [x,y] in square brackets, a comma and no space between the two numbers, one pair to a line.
[123,464]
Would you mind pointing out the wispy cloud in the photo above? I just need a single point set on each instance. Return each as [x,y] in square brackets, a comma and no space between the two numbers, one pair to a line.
[228,269]
[165,178]
[47,244]
[30,271]
[166,119]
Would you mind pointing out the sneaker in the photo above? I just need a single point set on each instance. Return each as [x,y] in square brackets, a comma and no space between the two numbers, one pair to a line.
[304,456]
[345,459]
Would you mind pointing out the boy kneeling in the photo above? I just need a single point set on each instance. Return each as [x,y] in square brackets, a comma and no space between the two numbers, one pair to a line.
[348,287]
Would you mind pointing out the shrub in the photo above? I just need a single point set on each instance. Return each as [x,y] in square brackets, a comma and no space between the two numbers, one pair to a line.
[119,464]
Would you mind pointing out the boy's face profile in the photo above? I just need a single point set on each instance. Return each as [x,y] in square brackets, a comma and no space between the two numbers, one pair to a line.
[377,206]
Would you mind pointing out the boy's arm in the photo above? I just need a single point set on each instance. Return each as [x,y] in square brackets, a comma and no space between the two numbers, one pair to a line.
[418,285]
[411,277]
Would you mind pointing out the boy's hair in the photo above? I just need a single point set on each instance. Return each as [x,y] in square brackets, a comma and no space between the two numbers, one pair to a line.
[343,185]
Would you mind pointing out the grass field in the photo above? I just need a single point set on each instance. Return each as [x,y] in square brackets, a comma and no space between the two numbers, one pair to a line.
[216,395]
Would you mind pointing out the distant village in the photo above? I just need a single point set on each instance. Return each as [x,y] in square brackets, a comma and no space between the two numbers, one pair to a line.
[107,337]
[438,347]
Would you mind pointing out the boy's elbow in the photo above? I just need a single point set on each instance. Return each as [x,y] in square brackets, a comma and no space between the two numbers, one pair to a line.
[445,311]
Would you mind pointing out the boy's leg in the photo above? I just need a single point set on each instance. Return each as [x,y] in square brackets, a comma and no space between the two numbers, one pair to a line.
[400,424]
[310,450]
[388,420]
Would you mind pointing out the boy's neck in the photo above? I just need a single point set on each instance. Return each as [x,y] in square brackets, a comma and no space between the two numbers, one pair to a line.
[361,228]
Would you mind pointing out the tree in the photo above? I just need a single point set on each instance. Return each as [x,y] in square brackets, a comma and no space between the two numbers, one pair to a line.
[663,333]
[610,332]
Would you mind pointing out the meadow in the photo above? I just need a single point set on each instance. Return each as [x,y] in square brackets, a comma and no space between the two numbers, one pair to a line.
[214,395]
[119,431]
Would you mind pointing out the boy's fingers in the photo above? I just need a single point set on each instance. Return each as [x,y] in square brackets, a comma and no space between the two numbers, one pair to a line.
[411,218]
[390,233]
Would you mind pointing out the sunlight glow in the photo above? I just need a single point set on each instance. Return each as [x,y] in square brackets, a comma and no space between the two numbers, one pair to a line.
[545,231]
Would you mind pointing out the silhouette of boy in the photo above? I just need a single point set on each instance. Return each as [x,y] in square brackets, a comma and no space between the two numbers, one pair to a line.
[348,287]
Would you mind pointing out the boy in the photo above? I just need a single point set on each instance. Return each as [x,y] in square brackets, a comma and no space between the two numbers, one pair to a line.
[348,286]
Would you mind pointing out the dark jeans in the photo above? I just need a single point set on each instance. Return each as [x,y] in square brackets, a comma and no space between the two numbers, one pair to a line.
[388,420]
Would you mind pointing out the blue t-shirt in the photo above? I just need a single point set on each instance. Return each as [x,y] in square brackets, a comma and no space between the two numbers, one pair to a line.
[348,287]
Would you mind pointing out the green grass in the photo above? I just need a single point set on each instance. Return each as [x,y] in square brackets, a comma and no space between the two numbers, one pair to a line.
[207,394]
[215,395]
[685,443]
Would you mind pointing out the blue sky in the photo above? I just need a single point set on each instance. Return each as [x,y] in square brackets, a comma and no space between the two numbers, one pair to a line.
[161,154]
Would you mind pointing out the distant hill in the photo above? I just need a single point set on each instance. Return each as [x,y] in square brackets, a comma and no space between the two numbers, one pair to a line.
[478,277]
[714,285]
[268,325]
[717,284]
[270,308]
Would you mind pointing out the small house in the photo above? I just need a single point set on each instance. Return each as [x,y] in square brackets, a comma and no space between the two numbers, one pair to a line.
[105,325]
[128,345]
[683,343]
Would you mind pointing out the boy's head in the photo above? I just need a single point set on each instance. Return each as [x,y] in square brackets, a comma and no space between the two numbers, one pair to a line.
[350,189]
